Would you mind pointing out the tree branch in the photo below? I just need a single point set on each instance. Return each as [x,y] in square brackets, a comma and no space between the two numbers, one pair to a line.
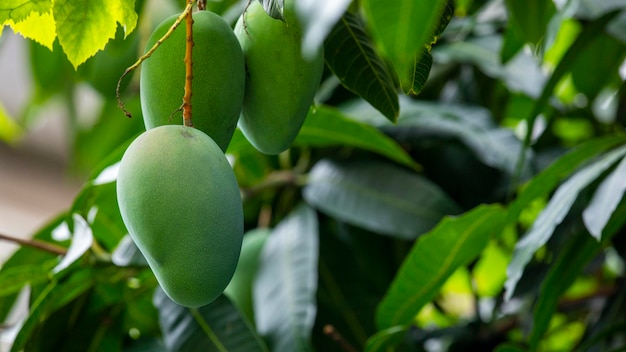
[44,246]
[187,121]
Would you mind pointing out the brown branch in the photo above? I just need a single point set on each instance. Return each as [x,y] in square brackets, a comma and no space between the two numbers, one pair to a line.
[44,246]
[149,53]
[187,121]
[331,332]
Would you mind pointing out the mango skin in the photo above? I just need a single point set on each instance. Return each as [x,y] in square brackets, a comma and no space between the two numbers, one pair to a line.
[180,202]
[218,84]
[280,82]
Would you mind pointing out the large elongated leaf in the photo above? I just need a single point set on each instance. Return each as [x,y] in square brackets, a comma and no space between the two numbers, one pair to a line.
[351,56]
[605,200]
[434,257]
[218,326]
[326,126]
[530,18]
[403,27]
[378,196]
[553,215]
[563,271]
[548,179]
[286,282]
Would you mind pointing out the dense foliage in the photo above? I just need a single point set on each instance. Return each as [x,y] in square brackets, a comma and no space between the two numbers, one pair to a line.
[457,185]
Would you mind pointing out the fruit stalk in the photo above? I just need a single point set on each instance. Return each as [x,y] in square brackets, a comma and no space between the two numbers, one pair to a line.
[130,69]
[187,121]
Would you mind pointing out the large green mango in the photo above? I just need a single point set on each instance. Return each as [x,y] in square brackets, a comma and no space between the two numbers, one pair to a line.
[280,82]
[218,77]
[180,201]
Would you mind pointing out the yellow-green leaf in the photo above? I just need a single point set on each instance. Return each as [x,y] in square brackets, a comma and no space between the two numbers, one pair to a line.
[10,131]
[84,27]
[39,27]
[19,10]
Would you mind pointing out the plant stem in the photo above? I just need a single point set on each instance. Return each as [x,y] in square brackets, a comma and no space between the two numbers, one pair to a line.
[149,53]
[44,246]
[187,121]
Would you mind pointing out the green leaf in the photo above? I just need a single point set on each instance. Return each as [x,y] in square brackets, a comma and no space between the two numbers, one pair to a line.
[54,296]
[286,282]
[530,18]
[553,214]
[13,279]
[10,131]
[378,196]
[84,27]
[418,73]
[274,8]
[605,200]
[402,27]
[19,10]
[386,339]
[434,257]
[543,183]
[326,126]
[218,326]
[351,56]
[588,76]
[563,271]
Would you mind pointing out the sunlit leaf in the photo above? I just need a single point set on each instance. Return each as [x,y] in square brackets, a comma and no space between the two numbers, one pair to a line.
[553,215]
[402,27]
[377,196]
[286,282]
[84,27]
[218,326]
[19,10]
[434,257]
[351,56]
[39,27]
[326,126]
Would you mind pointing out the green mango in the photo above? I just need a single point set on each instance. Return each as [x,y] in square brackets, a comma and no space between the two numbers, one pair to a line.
[180,202]
[239,290]
[280,82]
[218,77]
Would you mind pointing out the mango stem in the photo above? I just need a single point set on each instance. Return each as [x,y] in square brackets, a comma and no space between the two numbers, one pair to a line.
[187,121]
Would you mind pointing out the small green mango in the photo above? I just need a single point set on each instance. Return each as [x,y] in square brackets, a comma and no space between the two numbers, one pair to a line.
[239,290]
[218,77]
[180,202]
[280,82]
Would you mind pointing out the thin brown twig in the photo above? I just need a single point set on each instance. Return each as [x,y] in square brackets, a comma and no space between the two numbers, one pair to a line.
[331,332]
[44,246]
[187,121]
[149,53]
